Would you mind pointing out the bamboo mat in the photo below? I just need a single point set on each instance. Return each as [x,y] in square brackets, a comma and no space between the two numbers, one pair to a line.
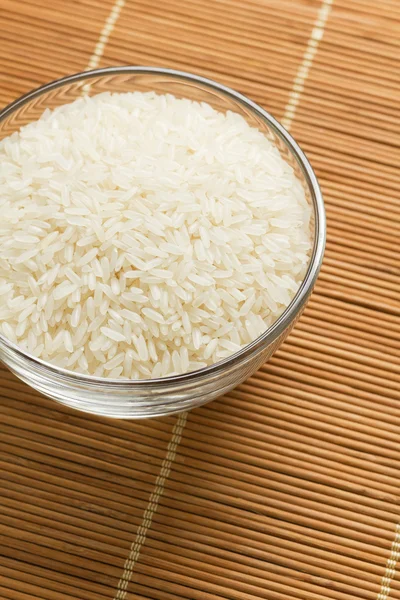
[289,487]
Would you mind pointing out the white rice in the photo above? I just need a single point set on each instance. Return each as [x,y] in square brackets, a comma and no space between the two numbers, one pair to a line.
[144,235]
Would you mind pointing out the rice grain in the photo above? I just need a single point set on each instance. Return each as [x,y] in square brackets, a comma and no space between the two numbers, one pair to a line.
[145,235]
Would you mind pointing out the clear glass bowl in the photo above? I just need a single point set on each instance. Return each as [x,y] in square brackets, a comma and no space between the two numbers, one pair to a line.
[156,397]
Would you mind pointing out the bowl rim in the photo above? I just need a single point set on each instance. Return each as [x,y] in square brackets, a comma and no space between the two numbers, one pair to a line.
[300,298]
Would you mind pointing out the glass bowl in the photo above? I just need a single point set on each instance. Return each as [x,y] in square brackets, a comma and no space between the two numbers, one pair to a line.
[156,397]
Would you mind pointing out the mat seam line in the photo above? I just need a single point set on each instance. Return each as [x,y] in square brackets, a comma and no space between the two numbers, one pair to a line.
[151,509]
[391,564]
[310,52]
[317,34]
[105,35]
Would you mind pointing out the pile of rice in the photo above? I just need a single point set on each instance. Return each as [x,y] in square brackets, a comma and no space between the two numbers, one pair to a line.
[143,235]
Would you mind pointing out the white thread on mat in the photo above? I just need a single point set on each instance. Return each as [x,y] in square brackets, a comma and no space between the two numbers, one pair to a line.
[181,421]
[390,570]
[152,507]
[308,57]
[105,34]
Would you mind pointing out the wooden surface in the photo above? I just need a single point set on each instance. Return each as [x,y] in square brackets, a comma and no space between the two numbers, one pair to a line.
[288,488]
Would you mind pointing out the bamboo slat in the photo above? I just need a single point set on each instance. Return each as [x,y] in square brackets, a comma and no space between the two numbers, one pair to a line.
[288,487]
